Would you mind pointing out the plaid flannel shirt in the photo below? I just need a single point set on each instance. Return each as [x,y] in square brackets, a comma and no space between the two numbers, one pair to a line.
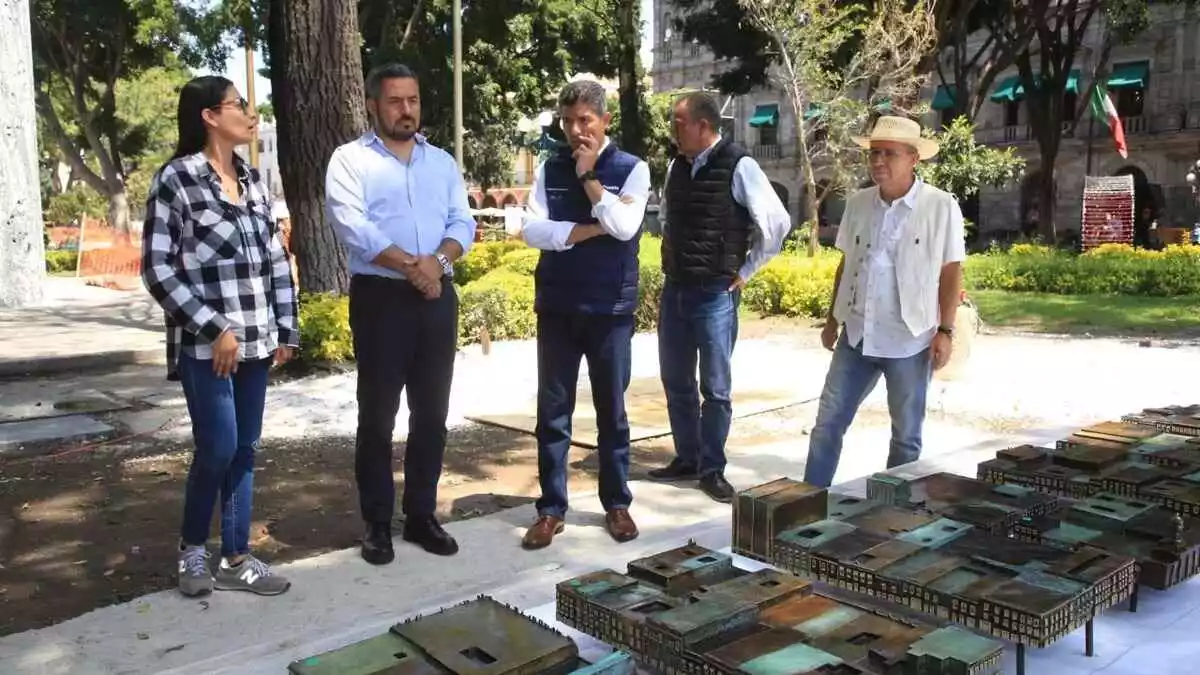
[214,265]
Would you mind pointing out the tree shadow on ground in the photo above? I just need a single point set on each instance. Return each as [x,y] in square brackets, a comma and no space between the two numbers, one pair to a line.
[87,530]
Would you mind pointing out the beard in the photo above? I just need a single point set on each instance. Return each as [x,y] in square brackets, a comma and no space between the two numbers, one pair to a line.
[397,132]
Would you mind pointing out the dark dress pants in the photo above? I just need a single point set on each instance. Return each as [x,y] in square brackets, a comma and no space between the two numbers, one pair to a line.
[401,339]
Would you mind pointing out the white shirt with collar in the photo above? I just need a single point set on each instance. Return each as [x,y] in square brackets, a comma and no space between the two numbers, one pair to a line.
[875,317]
[752,190]
[620,215]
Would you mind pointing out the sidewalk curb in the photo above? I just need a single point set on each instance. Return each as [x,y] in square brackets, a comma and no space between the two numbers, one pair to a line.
[54,365]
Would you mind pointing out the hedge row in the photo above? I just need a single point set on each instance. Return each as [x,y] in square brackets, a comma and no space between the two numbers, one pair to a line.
[495,286]
[58,262]
[1112,269]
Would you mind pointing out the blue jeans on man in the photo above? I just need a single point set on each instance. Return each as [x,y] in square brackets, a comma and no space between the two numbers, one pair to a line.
[606,342]
[226,418]
[697,330]
[851,378]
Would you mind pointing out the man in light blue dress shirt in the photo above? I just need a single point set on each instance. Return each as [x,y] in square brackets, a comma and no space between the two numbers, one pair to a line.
[400,207]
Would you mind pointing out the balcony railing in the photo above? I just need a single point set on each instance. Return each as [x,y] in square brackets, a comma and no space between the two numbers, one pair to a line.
[1135,125]
[761,151]
[1166,123]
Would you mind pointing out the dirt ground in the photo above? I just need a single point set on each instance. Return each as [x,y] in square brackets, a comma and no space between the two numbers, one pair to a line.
[100,527]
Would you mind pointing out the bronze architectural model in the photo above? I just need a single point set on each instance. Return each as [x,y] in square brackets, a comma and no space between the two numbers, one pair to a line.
[899,548]
[689,611]
[479,637]
[1176,419]
[1121,459]
[1165,544]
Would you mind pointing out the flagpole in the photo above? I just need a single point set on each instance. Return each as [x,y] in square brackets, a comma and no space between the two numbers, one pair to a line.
[1091,125]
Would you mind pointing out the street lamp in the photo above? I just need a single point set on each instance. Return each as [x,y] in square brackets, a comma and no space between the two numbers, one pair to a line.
[1193,180]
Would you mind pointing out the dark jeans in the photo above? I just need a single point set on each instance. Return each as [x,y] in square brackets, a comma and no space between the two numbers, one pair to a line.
[606,343]
[851,378]
[226,423]
[698,326]
[401,339]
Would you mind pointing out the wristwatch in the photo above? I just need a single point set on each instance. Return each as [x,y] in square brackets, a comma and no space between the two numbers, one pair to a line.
[948,331]
[588,175]
[447,266]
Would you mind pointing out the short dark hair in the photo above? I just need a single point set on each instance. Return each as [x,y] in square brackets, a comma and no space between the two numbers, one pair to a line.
[388,71]
[703,106]
[588,92]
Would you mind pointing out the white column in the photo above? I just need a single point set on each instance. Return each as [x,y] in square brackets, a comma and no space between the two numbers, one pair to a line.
[22,252]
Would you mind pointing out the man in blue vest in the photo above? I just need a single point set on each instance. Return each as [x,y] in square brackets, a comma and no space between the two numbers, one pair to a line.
[585,214]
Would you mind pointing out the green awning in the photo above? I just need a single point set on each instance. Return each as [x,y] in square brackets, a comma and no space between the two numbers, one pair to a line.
[765,115]
[1129,75]
[814,110]
[943,99]
[1073,82]
[884,106]
[1010,90]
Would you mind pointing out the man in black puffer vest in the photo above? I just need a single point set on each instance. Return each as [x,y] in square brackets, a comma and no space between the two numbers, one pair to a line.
[586,209]
[723,222]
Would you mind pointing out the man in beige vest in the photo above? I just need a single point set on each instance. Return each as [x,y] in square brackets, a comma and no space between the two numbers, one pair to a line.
[895,296]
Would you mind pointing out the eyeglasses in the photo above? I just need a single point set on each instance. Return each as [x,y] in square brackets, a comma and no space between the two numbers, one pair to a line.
[239,102]
[885,153]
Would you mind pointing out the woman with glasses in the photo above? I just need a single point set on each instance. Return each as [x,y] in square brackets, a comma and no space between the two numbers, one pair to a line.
[212,259]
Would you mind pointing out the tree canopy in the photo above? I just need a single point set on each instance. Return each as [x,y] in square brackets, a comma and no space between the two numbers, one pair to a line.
[517,54]
[83,51]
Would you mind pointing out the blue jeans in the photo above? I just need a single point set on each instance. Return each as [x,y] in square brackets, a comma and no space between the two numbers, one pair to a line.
[606,343]
[226,422]
[851,378]
[698,326]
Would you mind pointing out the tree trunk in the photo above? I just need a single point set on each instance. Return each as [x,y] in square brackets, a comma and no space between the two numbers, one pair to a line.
[811,215]
[1047,199]
[22,248]
[118,210]
[1049,138]
[317,91]
[633,127]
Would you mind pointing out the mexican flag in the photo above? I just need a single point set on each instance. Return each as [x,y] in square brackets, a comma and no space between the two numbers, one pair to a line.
[1105,111]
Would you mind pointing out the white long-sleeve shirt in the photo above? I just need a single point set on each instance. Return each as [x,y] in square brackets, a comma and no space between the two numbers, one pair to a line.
[752,190]
[619,214]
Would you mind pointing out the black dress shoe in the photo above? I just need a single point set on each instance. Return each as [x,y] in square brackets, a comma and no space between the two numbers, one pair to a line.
[429,535]
[377,544]
[676,470]
[715,486]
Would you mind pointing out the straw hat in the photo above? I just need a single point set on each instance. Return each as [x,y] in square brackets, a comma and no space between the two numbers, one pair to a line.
[899,130]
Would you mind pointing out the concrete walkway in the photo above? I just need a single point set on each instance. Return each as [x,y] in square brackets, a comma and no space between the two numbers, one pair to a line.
[78,327]
[337,599]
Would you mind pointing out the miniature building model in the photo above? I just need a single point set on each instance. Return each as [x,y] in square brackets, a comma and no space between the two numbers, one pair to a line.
[764,512]
[479,637]
[1176,419]
[906,550]
[761,622]
[994,509]
[1166,545]
[1125,459]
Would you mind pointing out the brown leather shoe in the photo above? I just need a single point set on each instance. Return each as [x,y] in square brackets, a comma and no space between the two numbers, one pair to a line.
[542,532]
[620,525]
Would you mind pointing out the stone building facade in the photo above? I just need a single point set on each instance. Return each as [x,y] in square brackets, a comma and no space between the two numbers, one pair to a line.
[1156,85]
